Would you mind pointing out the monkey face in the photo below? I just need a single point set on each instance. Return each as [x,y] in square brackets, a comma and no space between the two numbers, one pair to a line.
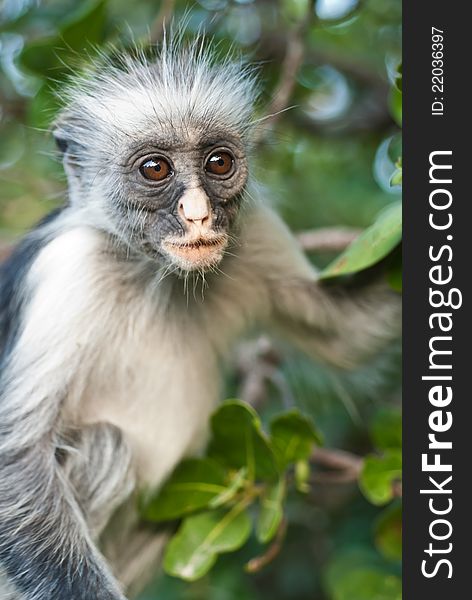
[181,197]
[155,150]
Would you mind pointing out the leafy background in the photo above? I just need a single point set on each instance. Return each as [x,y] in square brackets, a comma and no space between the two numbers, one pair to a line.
[330,162]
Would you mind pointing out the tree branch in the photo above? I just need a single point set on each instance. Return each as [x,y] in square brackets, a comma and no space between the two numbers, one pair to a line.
[344,466]
[291,63]
[327,239]
[371,114]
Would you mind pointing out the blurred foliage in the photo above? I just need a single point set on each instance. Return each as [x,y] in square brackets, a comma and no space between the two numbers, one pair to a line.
[333,159]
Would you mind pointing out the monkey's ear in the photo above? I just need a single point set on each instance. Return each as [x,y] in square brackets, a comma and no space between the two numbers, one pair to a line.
[70,150]
[63,132]
[62,142]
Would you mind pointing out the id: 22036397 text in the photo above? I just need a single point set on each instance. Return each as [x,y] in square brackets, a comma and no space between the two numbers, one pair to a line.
[437,71]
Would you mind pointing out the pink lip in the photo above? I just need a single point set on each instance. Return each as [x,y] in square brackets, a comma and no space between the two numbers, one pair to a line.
[201,251]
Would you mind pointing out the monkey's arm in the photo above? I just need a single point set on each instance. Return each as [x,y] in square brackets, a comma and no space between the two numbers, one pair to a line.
[340,327]
[45,550]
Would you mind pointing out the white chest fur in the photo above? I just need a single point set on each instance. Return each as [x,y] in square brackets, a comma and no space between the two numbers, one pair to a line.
[160,392]
[136,361]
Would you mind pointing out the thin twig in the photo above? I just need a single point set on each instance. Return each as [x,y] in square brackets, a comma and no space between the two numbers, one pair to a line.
[371,114]
[327,239]
[292,61]
[257,362]
[345,466]
[290,66]
[271,49]
[259,562]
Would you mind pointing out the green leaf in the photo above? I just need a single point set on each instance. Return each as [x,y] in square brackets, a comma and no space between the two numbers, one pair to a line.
[397,177]
[194,549]
[396,105]
[44,107]
[40,56]
[271,511]
[386,429]
[371,246]
[195,484]
[395,278]
[378,475]
[399,78]
[238,441]
[237,481]
[359,574]
[388,532]
[82,30]
[293,436]
[86,26]
[302,476]
[367,583]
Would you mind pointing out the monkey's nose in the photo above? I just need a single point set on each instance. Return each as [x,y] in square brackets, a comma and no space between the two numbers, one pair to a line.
[194,207]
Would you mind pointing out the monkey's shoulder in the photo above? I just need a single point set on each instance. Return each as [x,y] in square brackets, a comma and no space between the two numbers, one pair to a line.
[13,274]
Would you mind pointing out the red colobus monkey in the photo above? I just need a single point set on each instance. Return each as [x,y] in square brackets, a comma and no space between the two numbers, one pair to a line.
[109,364]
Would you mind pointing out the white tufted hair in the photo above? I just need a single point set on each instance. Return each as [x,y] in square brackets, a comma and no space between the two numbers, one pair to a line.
[173,85]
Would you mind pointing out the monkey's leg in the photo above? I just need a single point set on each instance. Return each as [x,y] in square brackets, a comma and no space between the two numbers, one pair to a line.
[46,551]
[133,548]
[98,463]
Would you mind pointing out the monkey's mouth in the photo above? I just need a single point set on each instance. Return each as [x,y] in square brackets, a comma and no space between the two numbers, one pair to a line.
[202,252]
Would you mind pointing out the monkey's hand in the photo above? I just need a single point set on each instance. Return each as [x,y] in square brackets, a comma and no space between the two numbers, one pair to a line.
[341,327]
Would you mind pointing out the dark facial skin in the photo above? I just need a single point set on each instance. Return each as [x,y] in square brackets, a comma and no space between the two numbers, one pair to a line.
[166,184]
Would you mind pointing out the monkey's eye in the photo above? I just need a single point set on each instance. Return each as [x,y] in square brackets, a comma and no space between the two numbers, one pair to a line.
[156,169]
[219,163]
